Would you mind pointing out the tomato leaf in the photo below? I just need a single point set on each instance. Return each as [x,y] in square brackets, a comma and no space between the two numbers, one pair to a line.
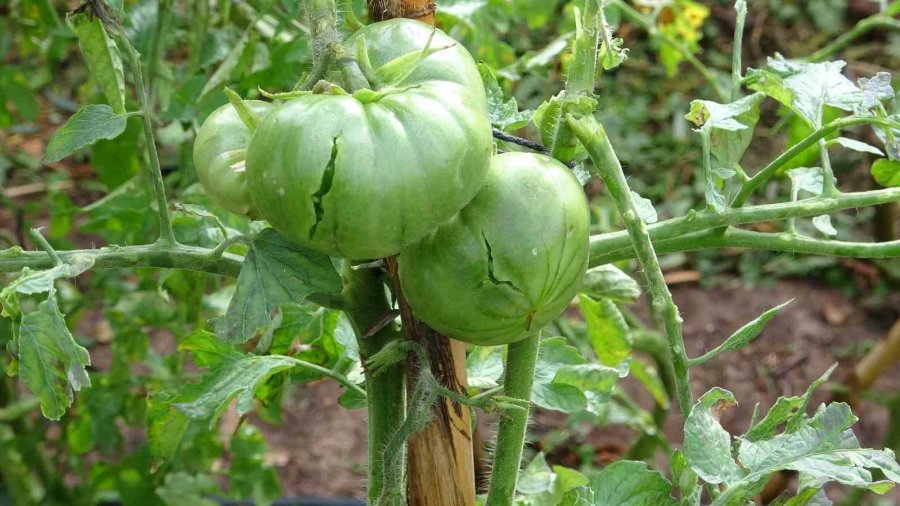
[607,331]
[744,335]
[275,272]
[102,57]
[807,88]
[31,282]
[644,208]
[555,354]
[855,145]
[823,224]
[51,363]
[541,485]
[610,282]
[808,179]
[730,126]
[823,448]
[233,374]
[505,115]
[886,172]
[629,483]
[685,480]
[87,126]
[484,366]
[707,446]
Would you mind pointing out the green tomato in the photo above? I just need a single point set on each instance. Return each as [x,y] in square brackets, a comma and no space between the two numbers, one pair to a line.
[219,153]
[359,176]
[509,262]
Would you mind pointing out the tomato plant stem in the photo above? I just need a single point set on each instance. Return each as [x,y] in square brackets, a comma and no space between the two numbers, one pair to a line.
[367,303]
[617,245]
[606,165]
[520,362]
[166,232]
[189,258]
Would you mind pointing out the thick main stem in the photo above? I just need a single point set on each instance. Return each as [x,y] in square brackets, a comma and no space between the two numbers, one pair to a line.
[366,305]
[519,376]
[591,133]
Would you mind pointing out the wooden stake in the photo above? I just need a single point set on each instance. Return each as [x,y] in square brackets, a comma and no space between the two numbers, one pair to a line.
[422,10]
[883,355]
[441,466]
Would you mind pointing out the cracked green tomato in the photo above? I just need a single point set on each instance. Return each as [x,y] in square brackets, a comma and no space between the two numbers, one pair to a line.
[219,154]
[361,175]
[509,262]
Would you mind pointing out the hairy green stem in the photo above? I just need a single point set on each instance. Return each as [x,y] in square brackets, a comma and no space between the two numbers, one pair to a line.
[581,76]
[367,304]
[518,378]
[166,232]
[41,241]
[863,27]
[772,168]
[618,244]
[606,165]
[340,378]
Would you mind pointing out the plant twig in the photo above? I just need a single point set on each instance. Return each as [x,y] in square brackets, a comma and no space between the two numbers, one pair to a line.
[591,133]
[166,232]
[518,379]
[784,242]
[179,256]
[44,245]
[618,245]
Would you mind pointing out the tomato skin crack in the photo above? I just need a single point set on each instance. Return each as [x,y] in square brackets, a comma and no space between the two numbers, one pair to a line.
[324,188]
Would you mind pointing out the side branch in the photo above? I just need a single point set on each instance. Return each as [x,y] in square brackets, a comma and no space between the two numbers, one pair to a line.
[592,134]
[189,258]
[618,244]
[748,239]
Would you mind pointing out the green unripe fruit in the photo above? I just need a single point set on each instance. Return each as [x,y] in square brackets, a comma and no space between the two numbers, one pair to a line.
[509,262]
[219,153]
[362,175]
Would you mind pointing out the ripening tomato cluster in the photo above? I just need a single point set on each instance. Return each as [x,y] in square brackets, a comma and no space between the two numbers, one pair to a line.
[491,247]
